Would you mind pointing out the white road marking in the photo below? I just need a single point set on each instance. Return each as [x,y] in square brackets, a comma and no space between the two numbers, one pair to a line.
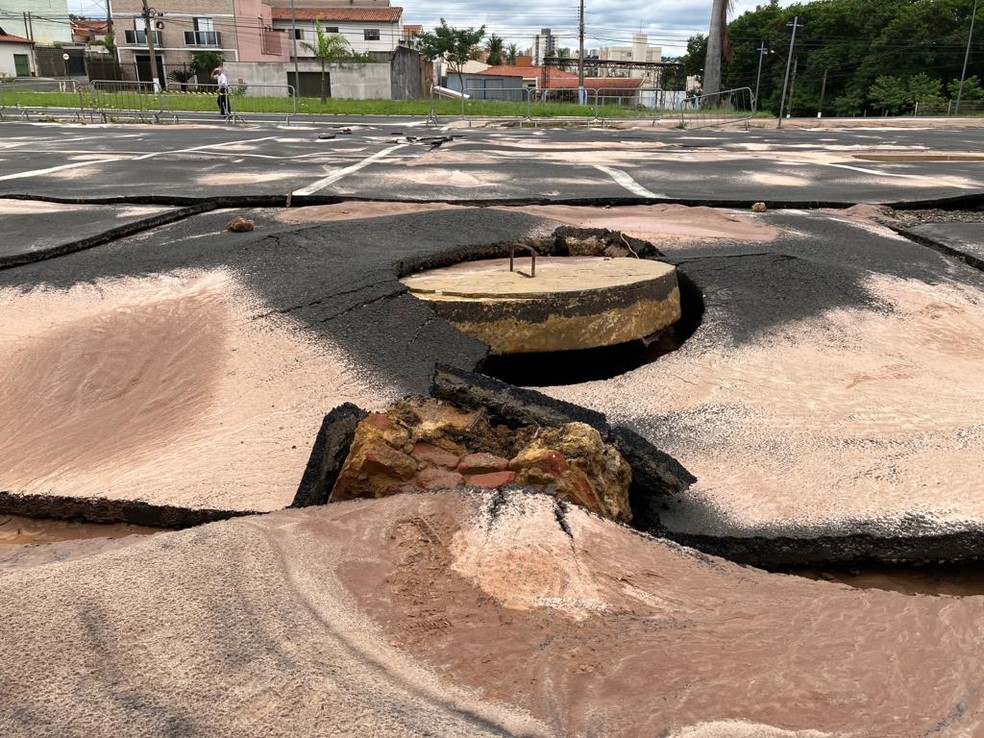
[78,164]
[627,182]
[342,173]
[202,148]
[52,170]
[878,173]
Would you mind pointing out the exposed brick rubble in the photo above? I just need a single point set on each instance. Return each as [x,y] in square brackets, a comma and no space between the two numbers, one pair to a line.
[425,444]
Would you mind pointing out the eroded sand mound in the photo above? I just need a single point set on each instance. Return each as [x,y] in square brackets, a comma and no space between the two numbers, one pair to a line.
[169,389]
[467,614]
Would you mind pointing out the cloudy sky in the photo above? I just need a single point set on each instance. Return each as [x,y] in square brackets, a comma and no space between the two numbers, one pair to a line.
[668,23]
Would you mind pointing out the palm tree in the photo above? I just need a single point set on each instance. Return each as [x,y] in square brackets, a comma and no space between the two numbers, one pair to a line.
[717,46]
[329,48]
[493,45]
[563,56]
[512,51]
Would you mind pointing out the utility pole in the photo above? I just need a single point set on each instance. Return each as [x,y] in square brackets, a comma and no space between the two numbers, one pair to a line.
[789,61]
[792,83]
[149,13]
[580,53]
[293,40]
[762,50]
[963,74]
[823,91]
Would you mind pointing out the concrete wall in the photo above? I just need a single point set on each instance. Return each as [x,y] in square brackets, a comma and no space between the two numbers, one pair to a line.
[7,51]
[407,76]
[360,81]
[355,81]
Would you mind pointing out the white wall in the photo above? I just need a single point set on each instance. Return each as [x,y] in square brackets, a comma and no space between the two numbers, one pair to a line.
[56,30]
[355,81]
[7,51]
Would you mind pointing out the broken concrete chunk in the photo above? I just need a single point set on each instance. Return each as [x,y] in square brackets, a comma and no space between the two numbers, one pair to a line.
[240,225]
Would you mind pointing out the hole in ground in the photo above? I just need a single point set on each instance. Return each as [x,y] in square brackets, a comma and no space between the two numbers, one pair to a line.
[556,368]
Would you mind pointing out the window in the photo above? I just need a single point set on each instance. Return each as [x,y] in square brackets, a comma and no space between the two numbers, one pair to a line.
[204,33]
[371,34]
[298,34]
[331,29]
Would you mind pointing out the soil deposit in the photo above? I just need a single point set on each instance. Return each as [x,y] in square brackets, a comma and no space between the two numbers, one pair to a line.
[468,614]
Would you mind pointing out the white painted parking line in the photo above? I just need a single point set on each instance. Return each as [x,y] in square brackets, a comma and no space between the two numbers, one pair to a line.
[61,167]
[342,173]
[203,147]
[627,182]
[93,162]
[918,177]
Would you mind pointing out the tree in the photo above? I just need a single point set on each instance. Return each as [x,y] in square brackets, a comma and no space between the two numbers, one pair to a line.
[328,48]
[455,45]
[693,60]
[203,62]
[512,52]
[563,57]
[494,48]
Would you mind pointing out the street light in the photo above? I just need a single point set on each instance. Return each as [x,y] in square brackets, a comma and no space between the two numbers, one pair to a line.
[762,50]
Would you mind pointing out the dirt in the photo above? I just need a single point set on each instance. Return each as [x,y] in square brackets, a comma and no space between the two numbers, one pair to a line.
[162,389]
[656,222]
[467,614]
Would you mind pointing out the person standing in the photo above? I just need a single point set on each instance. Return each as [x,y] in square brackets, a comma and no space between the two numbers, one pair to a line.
[222,86]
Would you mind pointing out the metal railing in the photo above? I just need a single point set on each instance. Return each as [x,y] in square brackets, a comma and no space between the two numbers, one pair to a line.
[26,97]
[728,107]
[111,99]
[591,105]
[243,99]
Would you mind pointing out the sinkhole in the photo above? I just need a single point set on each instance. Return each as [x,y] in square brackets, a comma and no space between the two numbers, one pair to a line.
[582,305]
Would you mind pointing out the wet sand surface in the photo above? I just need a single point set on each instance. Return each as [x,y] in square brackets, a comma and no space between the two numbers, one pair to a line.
[467,614]
[165,389]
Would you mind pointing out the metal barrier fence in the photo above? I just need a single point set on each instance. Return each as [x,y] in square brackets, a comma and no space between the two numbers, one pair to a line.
[727,107]
[23,98]
[111,99]
[243,100]
[593,105]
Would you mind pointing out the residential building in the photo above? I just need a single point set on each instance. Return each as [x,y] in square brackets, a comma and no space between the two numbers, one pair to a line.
[40,21]
[367,29]
[88,31]
[16,56]
[239,30]
[544,45]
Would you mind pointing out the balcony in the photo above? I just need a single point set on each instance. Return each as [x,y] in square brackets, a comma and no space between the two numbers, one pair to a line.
[203,38]
[140,37]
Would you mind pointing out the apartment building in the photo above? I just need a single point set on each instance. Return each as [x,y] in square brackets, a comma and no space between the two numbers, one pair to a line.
[240,30]
[40,21]
[544,45]
[639,51]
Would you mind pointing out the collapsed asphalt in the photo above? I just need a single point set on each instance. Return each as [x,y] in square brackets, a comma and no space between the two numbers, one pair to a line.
[340,278]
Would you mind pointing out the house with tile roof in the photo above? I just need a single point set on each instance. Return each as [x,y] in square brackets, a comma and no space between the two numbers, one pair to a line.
[366,29]
[16,56]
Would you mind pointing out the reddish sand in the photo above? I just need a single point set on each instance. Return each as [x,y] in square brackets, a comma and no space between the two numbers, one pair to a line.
[165,389]
[450,614]
[853,413]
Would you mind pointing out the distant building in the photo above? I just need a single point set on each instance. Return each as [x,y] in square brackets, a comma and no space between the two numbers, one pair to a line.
[544,45]
[639,51]
[41,21]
